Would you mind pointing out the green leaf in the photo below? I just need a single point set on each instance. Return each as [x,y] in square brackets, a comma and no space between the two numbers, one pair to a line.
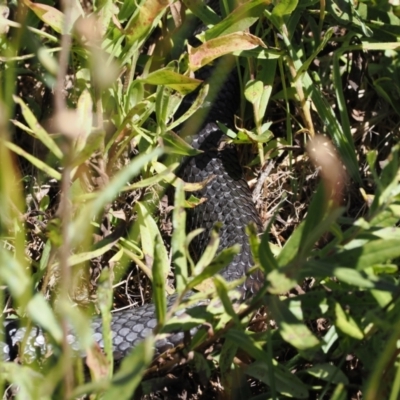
[214,265]
[81,226]
[104,296]
[253,91]
[178,238]
[248,344]
[163,174]
[200,10]
[328,34]
[341,138]
[239,19]
[16,277]
[228,352]
[267,259]
[286,383]
[165,76]
[346,14]
[202,366]
[93,142]
[292,330]
[246,136]
[196,104]
[222,291]
[129,375]
[329,373]
[371,253]
[317,222]
[177,145]
[41,313]
[28,381]
[135,116]
[210,251]
[347,324]
[160,264]
[284,7]
[150,239]
[283,279]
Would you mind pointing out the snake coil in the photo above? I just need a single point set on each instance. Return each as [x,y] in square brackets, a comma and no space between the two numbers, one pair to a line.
[228,200]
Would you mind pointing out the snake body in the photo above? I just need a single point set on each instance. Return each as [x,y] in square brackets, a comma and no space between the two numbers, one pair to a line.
[228,200]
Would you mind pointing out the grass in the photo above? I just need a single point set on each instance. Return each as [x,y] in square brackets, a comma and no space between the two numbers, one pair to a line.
[88,149]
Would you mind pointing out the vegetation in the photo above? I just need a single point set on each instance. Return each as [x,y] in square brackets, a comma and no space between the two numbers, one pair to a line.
[87,141]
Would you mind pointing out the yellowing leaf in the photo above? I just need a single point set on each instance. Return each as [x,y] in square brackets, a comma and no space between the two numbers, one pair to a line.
[47,14]
[148,16]
[85,117]
[214,48]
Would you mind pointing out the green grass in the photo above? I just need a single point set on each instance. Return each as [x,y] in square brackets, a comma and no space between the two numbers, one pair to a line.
[87,149]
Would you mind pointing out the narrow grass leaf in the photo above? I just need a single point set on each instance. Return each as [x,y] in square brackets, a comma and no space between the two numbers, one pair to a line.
[342,139]
[196,104]
[135,116]
[160,265]
[228,352]
[220,261]
[178,238]
[328,34]
[104,296]
[210,251]
[108,194]
[93,142]
[148,232]
[222,291]
[39,132]
[163,174]
[204,13]
[177,145]
[89,255]
[254,241]
[241,18]
[39,164]
[245,342]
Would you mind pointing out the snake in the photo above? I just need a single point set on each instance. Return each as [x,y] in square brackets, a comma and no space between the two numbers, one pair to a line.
[228,200]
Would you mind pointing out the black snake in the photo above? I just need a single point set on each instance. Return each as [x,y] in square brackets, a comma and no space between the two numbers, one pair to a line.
[229,201]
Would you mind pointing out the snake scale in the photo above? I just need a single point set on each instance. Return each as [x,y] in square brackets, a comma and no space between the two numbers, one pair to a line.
[228,200]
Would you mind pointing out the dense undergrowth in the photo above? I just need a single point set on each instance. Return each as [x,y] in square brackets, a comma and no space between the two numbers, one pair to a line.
[88,147]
